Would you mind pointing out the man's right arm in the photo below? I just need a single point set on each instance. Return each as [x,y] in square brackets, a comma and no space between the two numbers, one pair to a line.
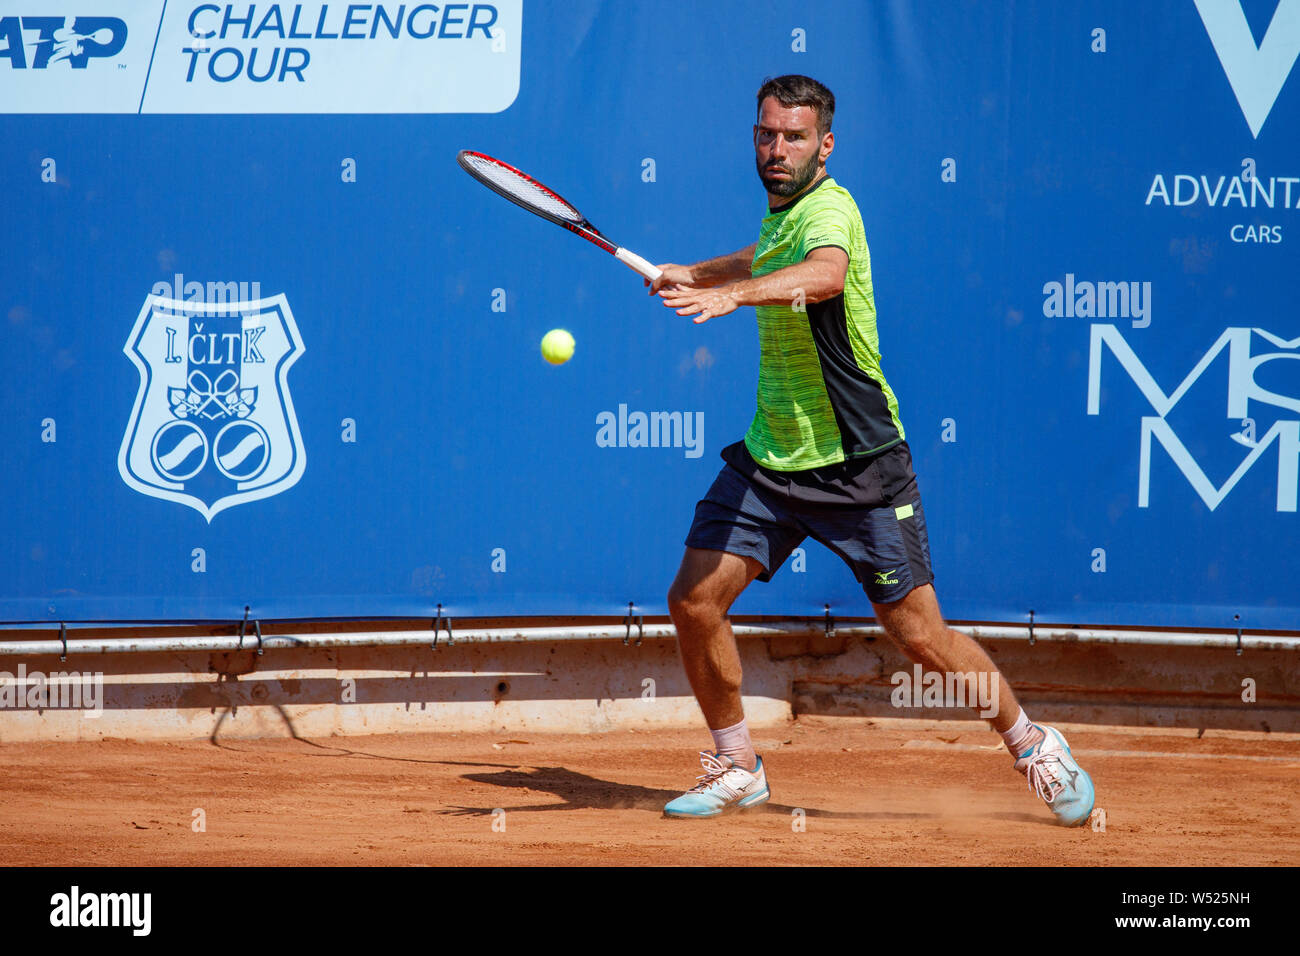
[711,272]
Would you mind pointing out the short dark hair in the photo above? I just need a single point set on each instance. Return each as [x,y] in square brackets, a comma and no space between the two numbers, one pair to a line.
[794,89]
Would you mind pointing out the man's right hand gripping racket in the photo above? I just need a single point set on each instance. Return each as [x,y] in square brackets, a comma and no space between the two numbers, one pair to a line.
[522,190]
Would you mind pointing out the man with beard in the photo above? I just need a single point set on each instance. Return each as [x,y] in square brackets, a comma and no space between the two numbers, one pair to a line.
[825,456]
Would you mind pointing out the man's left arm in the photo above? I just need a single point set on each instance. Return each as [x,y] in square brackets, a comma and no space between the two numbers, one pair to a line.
[820,276]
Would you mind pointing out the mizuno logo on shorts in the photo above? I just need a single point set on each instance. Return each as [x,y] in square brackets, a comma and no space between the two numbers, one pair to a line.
[887,577]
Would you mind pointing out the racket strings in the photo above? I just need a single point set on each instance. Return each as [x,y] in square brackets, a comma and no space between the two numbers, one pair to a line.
[522,188]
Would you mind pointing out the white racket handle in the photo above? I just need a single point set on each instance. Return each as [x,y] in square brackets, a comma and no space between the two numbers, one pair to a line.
[640,265]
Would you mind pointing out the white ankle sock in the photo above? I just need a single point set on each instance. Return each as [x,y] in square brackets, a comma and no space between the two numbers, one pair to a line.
[1020,732]
[734,742]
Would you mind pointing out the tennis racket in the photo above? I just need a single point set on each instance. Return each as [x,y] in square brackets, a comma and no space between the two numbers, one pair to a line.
[522,190]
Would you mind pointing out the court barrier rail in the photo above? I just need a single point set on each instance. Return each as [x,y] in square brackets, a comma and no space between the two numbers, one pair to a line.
[321,679]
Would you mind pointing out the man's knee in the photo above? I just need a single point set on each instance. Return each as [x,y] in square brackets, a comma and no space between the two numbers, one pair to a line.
[686,600]
[919,645]
[695,600]
[708,582]
[915,625]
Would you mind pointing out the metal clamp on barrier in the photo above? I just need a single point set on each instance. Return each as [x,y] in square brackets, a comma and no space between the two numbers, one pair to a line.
[631,619]
[257,628]
[1031,628]
[1237,617]
[437,626]
[63,636]
[830,622]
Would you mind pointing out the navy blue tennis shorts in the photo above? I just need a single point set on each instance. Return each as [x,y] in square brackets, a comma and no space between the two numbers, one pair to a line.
[867,511]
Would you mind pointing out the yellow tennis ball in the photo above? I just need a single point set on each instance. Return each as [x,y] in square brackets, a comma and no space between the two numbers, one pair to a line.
[557,346]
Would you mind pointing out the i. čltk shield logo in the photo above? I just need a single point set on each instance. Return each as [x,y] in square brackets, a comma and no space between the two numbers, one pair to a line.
[213,424]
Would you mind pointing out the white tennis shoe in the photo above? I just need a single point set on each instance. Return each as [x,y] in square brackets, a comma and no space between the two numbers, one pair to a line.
[1057,779]
[722,787]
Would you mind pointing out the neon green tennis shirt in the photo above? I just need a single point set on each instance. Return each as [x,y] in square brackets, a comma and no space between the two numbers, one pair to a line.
[822,397]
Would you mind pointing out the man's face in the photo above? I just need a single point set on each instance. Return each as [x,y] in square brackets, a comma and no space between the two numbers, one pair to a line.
[787,149]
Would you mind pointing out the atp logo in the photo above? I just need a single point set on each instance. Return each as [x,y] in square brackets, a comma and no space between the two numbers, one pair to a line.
[213,424]
[55,42]
[1243,388]
[1256,73]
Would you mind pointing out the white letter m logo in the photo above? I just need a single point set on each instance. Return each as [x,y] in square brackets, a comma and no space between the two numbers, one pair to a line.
[1242,390]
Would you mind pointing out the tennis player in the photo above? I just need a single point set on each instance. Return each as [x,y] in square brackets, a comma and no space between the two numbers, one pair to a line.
[825,457]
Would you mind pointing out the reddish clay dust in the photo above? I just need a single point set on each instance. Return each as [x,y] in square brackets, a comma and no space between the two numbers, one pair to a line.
[844,791]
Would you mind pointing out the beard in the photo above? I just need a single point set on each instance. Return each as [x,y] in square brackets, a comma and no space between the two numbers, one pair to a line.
[799,177]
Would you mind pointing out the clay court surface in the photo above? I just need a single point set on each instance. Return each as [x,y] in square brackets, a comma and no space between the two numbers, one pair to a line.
[872,792]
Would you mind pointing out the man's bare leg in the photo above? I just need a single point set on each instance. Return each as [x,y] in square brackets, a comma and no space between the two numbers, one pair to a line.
[916,626]
[707,584]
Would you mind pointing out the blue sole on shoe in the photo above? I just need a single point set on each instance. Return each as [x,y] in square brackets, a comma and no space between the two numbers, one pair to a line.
[746,804]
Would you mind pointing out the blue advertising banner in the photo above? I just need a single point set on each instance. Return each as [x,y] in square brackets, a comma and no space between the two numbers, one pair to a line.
[265,345]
